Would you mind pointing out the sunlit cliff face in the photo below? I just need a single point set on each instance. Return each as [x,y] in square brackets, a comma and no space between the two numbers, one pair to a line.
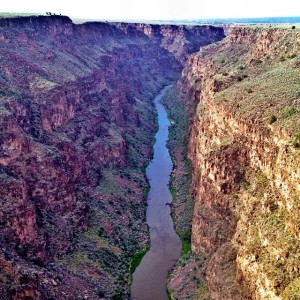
[246,177]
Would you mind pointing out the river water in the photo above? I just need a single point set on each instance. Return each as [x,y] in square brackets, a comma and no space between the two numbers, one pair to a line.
[149,280]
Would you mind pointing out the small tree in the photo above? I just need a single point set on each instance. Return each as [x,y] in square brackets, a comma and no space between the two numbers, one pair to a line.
[288,111]
[272,119]
[296,140]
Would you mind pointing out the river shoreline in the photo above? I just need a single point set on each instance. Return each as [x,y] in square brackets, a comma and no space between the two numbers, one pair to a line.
[149,281]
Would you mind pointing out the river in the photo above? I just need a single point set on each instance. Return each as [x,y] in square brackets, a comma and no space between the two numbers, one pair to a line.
[149,280]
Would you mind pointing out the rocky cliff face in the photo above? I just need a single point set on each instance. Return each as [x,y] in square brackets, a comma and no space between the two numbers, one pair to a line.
[244,146]
[75,117]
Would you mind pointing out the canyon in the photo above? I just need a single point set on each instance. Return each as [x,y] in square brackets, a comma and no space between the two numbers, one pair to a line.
[77,126]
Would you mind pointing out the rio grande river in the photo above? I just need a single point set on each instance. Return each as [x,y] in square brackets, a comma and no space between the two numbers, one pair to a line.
[150,277]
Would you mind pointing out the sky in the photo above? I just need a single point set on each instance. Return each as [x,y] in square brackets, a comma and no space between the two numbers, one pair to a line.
[156,9]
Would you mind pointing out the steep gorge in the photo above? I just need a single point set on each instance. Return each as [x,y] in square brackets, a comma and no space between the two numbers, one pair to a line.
[76,115]
[76,118]
[244,148]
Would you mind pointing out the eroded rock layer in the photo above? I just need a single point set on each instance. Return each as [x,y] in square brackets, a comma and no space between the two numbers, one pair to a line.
[244,146]
[77,126]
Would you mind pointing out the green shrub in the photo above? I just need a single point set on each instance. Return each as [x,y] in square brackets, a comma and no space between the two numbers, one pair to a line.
[225,74]
[136,259]
[185,237]
[100,231]
[22,250]
[101,294]
[292,291]
[293,27]
[241,77]
[117,296]
[282,59]
[296,140]
[288,111]
[241,67]
[292,56]
[171,295]
[272,119]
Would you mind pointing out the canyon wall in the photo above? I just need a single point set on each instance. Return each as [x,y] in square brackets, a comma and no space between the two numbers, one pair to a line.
[244,147]
[77,126]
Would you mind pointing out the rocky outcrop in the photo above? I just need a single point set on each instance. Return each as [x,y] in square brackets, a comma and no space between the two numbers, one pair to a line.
[244,149]
[180,40]
[76,115]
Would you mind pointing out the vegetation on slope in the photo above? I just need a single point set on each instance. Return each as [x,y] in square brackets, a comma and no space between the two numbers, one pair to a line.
[182,205]
[253,80]
[194,283]
[259,85]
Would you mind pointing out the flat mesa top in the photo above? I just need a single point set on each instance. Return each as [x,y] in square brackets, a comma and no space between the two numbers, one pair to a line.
[14,15]
[280,22]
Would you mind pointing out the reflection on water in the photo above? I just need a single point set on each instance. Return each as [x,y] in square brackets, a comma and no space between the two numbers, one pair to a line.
[150,278]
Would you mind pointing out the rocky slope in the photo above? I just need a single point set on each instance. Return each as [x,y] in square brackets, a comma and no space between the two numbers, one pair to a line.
[76,117]
[244,146]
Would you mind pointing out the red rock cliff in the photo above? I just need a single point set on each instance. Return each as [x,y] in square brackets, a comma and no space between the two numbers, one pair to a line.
[75,118]
[245,153]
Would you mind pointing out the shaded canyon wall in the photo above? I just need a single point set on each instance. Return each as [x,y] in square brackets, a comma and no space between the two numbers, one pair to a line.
[77,125]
